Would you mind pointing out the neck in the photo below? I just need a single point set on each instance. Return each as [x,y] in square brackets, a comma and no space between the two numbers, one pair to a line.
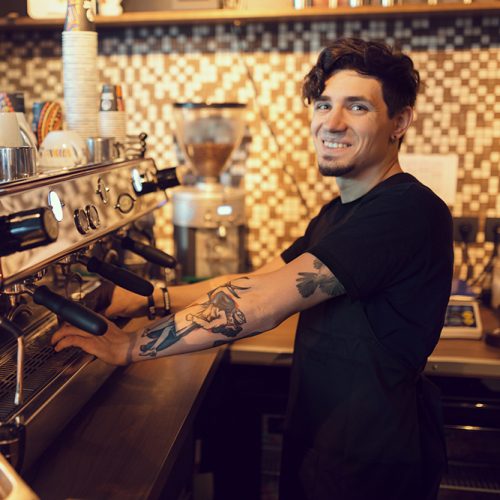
[352,188]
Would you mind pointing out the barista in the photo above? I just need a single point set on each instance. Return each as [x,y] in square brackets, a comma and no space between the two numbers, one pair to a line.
[371,278]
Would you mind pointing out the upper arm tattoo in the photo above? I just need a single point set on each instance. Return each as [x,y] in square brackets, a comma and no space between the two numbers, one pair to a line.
[219,314]
[307,283]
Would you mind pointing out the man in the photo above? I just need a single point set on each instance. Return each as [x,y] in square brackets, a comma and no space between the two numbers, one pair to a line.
[371,278]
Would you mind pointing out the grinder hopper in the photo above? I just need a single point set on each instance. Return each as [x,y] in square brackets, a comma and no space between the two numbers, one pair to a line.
[208,133]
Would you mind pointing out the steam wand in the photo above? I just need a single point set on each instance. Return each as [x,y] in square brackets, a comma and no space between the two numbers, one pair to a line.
[17,333]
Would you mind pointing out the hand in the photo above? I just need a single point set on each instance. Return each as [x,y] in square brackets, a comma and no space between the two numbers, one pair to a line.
[114,347]
[126,304]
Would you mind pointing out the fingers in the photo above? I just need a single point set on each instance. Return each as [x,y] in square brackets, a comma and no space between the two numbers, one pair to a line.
[87,344]
[68,330]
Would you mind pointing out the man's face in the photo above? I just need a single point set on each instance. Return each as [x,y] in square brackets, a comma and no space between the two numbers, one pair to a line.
[351,128]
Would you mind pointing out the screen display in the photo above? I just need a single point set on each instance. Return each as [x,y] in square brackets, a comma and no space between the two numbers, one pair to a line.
[460,315]
[224,210]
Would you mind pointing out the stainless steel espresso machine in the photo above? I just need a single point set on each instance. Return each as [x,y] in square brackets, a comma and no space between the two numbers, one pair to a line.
[208,217]
[63,240]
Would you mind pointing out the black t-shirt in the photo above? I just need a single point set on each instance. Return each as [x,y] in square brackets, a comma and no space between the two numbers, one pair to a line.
[392,250]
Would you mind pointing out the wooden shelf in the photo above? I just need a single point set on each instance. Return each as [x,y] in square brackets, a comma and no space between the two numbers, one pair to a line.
[268,15]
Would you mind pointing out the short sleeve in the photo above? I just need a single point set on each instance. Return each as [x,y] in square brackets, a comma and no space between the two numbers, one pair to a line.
[302,244]
[379,245]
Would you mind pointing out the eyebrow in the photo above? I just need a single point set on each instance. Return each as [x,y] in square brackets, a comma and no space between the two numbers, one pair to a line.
[353,98]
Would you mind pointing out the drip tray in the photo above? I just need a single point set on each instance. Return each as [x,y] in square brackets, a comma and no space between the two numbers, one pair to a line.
[42,366]
[56,386]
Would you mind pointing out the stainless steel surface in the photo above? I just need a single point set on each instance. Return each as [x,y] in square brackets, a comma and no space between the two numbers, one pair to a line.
[200,206]
[17,163]
[13,483]
[56,385]
[209,230]
[103,187]
[89,208]
[101,149]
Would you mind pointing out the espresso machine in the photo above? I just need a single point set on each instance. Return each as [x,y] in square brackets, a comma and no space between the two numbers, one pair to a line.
[209,217]
[63,242]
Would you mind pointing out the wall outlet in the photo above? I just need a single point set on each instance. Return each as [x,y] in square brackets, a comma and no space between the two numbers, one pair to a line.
[465,229]
[491,226]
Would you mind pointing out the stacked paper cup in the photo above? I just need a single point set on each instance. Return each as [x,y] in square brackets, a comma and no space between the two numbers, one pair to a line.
[112,118]
[79,48]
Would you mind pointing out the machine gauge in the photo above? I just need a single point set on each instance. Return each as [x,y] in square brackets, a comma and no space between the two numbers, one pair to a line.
[102,190]
[56,205]
[93,216]
[81,221]
[125,203]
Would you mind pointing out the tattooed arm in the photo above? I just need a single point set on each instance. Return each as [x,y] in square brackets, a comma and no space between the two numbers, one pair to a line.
[238,308]
[128,304]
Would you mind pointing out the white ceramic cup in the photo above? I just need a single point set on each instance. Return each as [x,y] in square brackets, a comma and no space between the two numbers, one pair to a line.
[10,133]
[62,149]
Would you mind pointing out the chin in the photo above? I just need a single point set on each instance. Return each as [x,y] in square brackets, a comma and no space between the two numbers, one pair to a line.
[335,171]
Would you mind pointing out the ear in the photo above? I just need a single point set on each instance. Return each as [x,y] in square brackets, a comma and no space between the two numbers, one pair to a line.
[402,121]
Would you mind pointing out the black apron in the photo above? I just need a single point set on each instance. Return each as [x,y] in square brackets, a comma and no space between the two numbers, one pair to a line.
[361,423]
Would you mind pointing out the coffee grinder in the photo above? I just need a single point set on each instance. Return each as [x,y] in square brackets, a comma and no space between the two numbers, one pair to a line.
[209,217]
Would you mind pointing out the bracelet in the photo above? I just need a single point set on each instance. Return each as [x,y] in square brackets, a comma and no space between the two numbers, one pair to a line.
[151,308]
[166,300]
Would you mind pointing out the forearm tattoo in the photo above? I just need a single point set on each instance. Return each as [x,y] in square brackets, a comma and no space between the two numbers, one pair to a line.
[307,283]
[220,314]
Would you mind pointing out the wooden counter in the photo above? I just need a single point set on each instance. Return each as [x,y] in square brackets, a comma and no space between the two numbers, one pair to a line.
[126,441]
[472,358]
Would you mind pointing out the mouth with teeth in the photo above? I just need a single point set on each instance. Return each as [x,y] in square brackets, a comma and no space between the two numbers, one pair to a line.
[335,145]
[334,148]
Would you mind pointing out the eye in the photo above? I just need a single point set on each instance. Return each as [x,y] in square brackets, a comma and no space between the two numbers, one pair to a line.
[359,107]
[321,106]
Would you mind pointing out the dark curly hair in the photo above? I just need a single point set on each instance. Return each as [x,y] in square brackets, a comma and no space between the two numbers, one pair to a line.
[395,71]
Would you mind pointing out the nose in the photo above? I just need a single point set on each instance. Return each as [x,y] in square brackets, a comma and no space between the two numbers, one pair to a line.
[335,120]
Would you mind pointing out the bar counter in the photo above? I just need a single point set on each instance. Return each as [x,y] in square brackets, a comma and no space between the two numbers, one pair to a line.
[453,357]
[127,442]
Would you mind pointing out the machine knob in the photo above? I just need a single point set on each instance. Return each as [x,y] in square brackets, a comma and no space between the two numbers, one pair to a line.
[81,221]
[125,203]
[27,229]
[102,190]
[93,216]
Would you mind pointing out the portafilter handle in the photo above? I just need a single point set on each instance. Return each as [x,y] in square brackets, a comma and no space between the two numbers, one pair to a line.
[150,253]
[119,276]
[27,229]
[164,179]
[72,312]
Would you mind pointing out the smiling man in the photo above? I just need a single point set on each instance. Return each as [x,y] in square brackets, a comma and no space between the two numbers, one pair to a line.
[371,278]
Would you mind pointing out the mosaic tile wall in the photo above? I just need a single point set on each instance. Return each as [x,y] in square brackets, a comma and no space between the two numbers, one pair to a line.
[263,64]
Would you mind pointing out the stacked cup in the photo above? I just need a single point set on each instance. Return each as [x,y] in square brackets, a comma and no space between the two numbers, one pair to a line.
[47,116]
[14,102]
[112,118]
[79,48]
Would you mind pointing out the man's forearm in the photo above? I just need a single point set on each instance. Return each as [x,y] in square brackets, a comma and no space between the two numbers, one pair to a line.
[182,296]
[224,316]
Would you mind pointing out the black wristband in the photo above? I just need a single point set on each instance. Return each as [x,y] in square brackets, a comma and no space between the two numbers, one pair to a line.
[151,307]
